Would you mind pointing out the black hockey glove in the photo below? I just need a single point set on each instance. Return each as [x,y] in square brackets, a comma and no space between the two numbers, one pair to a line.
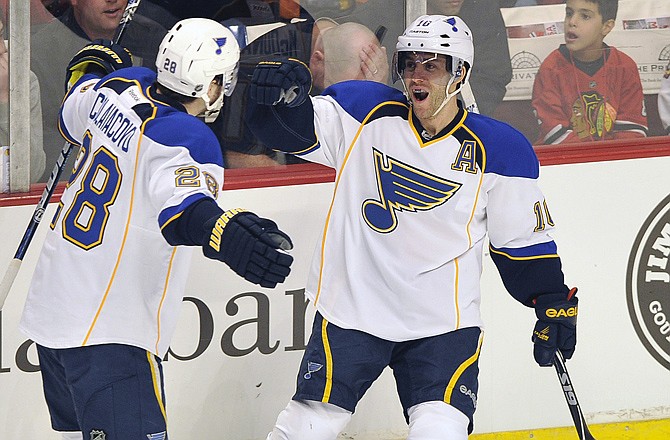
[100,56]
[252,246]
[284,81]
[556,326]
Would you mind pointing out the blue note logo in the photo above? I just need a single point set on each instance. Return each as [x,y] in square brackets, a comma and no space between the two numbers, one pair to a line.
[220,42]
[403,188]
[312,367]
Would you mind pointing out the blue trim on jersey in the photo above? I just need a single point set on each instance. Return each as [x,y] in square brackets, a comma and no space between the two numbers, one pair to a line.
[508,152]
[184,130]
[169,214]
[348,95]
[541,250]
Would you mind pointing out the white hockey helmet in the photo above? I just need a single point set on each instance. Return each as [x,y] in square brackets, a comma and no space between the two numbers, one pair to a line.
[441,34]
[192,54]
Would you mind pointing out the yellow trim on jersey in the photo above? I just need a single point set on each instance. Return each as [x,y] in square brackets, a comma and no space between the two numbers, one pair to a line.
[160,305]
[479,186]
[305,151]
[125,232]
[459,371]
[329,362]
[533,257]
[337,183]
[155,378]
[171,219]
[422,143]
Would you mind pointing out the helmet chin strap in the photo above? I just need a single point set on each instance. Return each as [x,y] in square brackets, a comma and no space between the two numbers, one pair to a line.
[212,109]
[448,95]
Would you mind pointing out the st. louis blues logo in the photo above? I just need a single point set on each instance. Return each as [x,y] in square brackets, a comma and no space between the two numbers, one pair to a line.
[403,188]
[312,367]
[220,42]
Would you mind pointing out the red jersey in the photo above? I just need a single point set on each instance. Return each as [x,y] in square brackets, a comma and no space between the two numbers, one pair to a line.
[578,102]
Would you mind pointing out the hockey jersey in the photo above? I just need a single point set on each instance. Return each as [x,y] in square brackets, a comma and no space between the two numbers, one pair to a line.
[401,252]
[578,102]
[106,274]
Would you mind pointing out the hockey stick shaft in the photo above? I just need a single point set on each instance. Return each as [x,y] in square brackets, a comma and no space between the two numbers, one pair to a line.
[571,398]
[15,264]
[469,98]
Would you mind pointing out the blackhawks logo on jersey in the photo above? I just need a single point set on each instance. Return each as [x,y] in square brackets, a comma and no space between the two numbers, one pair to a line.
[592,116]
[403,188]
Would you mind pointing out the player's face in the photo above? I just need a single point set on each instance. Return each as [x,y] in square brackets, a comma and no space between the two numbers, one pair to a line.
[584,29]
[99,18]
[426,77]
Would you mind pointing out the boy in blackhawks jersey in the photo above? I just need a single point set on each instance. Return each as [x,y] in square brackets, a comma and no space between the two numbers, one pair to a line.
[586,90]
[105,297]
[396,279]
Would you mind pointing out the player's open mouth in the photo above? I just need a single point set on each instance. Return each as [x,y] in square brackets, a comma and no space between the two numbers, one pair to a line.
[419,94]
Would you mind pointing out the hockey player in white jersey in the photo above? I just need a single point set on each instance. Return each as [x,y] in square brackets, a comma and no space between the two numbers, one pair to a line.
[108,286]
[396,278]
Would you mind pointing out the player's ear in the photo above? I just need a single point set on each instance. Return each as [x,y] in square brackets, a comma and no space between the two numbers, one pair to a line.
[460,74]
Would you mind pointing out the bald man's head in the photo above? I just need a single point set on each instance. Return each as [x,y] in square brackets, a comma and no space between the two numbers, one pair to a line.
[337,53]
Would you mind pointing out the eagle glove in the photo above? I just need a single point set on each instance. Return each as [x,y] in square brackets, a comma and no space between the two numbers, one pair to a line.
[556,326]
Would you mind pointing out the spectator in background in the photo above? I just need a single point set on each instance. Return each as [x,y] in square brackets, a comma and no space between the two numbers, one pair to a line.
[586,90]
[349,51]
[517,3]
[493,69]
[304,41]
[241,149]
[38,12]
[37,156]
[52,47]
[664,100]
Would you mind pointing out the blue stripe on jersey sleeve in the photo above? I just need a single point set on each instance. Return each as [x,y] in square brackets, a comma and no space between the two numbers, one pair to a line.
[541,250]
[348,95]
[508,152]
[169,214]
[173,128]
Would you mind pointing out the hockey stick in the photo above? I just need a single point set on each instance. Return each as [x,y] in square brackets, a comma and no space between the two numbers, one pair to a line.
[469,98]
[571,398]
[15,264]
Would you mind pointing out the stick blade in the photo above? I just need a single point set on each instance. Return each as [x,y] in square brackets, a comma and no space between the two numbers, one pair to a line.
[8,280]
